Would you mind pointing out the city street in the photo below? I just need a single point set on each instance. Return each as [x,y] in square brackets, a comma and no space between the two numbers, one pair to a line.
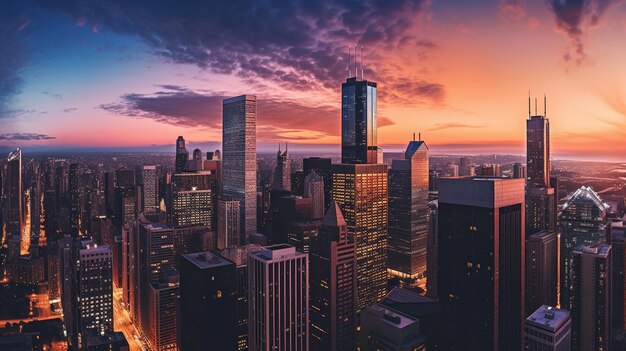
[124,324]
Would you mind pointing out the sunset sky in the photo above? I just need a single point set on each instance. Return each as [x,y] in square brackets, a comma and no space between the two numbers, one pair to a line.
[103,74]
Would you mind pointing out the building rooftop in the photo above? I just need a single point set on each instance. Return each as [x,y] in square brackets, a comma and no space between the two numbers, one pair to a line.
[548,318]
[14,155]
[599,250]
[207,259]
[275,252]
[390,317]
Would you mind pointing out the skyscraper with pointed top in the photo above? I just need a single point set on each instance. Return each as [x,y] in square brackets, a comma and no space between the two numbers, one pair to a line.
[408,213]
[182,155]
[282,172]
[333,284]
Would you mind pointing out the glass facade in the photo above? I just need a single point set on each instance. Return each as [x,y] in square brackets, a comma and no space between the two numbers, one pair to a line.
[358,122]
[361,193]
[239,158]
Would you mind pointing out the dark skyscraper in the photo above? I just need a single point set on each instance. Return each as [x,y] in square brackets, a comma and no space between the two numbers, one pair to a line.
[541,270]
[150,188]
[540,198]
[323,167]
[74,195]
[314,189]
[408,213]
[481,262]
[14,220]
[282,171]
[582,221]
[333,285]
[182,155]
[208,318]
[591,297]
[358,122]
[239,158]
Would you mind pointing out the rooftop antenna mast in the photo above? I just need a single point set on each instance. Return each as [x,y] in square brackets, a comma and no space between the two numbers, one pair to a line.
[356,62]
[535,106]
[545,108]
[419,136]
[349,61]
[362,76]
[413,136]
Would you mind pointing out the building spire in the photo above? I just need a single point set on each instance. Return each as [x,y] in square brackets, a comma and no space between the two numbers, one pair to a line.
[545,103]
[535,106]
[529,104]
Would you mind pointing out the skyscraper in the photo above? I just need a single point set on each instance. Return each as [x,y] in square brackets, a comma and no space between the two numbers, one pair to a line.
[228,223]
[582,221]
[591,307]
[408,213]
[359,139]
[278,299]
[333,284]
[360,190]
[519,170]
[191,208]
[481,262]
[323,167]
[314,189]
[182,155]
[94,290]
[14,220]
[541,270]
[74,195]
[150,183]
[207,294]
[239,158]
[163,300]
[548,329]
[466,168]
[540,197]
[282,171]
[197,160]
[618,276]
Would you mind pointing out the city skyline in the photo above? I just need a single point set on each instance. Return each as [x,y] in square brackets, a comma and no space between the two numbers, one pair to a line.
[113,70]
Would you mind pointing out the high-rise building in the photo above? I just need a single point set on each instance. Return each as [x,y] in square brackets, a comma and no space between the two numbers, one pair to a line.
[519,170]
[163,326]
[408,213]
[382,328]
[359,139]
[196,160]
[360,190]
[282,171]
[618,276]
[591,307]
[191,208]
[207,294]
[432,249]
[466,167]
[540,197]
[239,158]
[278,299]
[182,155]
[481,262]
[333,285]
[14,217]
[323,167]
[228,223]
[74,195]
[239,256]
[94,290]
[582,221]
[548,329]
[314,189]
[150,188]
[541,270]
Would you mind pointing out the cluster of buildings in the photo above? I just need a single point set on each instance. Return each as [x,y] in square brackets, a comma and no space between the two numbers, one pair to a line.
[331,257]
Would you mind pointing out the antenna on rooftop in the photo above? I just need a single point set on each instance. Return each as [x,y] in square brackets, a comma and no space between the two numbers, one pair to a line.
[535,106]
[529,104]
[545,103]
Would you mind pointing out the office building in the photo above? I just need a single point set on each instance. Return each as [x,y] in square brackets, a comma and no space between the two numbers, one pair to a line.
[466,167]
[239,159]
[591,309]
[94,290]
[333,284]
[541,270]
[74,196]
[618,275]
[182,155]
[408,213]
[228,223]
[314,189]
[208,288]
[278,299]
[239,256]
[360,190]
[519,170]
[548,329]
[163,318]
[582,221]
[191,208]
[150,188]
[323,167]
[383,328]
[282,171]
[480,273]
[359,139]
[14,207]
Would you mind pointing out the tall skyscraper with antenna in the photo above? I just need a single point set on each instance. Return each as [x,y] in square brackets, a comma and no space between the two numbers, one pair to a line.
[282,172]
[182,155]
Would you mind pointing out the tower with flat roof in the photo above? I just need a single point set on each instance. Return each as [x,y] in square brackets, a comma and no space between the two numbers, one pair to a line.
[548,329]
